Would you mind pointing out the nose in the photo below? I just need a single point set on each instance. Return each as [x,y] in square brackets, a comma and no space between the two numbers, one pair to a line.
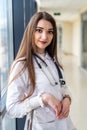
[44,35]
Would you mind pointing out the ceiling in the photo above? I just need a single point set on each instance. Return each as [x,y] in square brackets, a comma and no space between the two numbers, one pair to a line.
[69,9]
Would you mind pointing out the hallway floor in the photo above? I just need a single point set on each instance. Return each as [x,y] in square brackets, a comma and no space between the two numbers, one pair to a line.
[76,79]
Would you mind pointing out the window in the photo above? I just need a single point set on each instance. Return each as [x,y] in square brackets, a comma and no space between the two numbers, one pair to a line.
[6,57]
[60,36]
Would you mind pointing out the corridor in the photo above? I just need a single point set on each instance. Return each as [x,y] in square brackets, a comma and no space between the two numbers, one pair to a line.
[76,79]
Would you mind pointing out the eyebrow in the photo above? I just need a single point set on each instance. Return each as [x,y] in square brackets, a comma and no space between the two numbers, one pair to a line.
[43,28]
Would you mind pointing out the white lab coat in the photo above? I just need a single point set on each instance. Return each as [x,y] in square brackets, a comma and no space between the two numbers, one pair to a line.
[44,116]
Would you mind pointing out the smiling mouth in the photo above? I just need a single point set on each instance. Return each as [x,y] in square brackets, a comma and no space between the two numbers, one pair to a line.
[43,42]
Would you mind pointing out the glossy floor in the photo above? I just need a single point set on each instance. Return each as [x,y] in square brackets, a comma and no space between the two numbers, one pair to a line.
[76,79]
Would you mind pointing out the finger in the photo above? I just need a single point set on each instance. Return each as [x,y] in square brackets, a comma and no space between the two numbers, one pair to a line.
[59,108]
[64,110]
[56,110]
[63,115]
[66,114]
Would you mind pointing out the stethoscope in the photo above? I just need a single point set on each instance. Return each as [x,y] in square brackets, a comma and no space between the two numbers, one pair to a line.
[61,80]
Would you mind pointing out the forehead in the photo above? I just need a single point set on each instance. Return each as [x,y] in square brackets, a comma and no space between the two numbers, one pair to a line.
[45,24]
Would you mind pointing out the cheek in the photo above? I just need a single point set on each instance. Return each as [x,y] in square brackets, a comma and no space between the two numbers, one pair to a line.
[51,38]
[35,37]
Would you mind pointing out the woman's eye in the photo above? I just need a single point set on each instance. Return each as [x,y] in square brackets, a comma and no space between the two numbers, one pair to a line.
[50,32]
[38,30]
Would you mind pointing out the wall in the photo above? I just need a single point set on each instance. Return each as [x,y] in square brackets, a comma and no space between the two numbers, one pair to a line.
[67,37]
[71,38]
[77,39]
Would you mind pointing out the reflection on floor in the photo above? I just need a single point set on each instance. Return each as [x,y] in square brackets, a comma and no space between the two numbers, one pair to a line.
[76,79]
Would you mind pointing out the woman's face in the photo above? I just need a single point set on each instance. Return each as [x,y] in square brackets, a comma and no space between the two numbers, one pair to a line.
[43,35]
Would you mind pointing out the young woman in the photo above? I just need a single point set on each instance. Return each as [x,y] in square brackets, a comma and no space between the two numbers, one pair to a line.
[36,85]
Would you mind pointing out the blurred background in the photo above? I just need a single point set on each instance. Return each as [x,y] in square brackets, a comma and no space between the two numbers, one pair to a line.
[71,19]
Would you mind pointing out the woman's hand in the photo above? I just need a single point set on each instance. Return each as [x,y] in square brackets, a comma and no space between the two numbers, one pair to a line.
[65,108]
[52,101]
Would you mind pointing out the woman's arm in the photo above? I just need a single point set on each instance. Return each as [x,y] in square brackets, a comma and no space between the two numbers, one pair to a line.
[17,104]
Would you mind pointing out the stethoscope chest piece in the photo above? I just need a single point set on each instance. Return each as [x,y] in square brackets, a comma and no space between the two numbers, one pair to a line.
[62,82]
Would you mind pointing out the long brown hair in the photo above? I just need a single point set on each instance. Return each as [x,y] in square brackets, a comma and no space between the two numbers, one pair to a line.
[27,44]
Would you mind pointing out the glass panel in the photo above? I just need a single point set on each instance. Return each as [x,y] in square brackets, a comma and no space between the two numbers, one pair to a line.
[6,40]
[4,62]
[8,124]
[6,57]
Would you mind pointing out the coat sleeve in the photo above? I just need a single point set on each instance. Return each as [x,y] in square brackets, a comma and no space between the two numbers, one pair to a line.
[65,88]
[16,106]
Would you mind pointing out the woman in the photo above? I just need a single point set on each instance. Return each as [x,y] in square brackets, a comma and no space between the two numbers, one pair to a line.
[34,86]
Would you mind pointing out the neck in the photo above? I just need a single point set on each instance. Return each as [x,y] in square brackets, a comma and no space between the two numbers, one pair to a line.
[41,52]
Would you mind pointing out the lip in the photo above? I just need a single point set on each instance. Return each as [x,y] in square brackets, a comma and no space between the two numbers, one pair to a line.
[43,42]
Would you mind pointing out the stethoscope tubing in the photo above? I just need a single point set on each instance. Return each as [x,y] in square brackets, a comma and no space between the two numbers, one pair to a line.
[62,81]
